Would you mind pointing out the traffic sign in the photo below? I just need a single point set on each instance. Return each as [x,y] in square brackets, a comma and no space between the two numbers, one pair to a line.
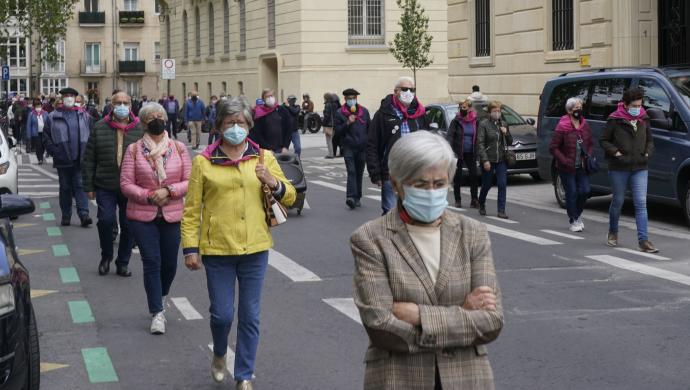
[5,72]
[168,69]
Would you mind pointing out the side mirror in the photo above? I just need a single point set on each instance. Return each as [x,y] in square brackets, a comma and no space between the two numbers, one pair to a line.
[531,121]
[434,126]
[12,206]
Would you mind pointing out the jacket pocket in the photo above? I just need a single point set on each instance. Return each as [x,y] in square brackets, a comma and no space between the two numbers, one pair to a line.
[209,229]
[480,350]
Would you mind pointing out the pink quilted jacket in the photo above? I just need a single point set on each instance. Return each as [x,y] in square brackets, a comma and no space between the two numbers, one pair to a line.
[138,179]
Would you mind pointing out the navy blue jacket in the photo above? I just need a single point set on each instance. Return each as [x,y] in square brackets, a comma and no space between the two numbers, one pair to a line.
[355,135]
[32,124]
[58,136]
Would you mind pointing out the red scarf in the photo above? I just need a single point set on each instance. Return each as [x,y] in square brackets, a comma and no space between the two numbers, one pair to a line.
[622,113]
[347,111]
[263,110]
[469,118]
[565,125]
[400,107]
[36,113]
[133,121]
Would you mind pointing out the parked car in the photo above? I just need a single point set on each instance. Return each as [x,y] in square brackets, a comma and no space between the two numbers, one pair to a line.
[19,349]
[667,101]
[523,131]
[8,165]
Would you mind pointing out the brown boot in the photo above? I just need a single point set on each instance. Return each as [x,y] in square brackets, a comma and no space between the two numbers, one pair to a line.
[612,239]
[647,247]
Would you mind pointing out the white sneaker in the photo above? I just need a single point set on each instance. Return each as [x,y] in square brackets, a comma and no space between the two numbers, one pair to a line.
[158,323]
[581,223]
[218,368]
[575,227]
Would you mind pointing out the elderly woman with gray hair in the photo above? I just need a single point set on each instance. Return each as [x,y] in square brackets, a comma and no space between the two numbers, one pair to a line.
[570,145]
[154,178]
[424,280]
[224,227]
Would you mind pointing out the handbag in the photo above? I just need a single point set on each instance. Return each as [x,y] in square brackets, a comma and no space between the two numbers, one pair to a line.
[510,157]
[276,214]
[590,163]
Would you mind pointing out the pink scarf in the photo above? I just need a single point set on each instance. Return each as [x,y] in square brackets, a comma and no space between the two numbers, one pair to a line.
[156,153]
[61,107]
[469,118]
[622,113]
[565,125]
[262,111]
[419,112]
[133,121]
[347,111]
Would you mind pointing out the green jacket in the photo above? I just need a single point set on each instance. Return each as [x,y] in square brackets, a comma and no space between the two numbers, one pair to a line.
[100,160]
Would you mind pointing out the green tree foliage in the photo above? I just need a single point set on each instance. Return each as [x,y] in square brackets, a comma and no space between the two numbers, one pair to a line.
[412,45]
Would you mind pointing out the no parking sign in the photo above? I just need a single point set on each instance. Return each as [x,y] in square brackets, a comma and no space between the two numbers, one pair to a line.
[168,69]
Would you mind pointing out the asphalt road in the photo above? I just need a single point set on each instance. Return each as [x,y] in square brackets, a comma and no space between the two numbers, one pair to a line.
[579,315]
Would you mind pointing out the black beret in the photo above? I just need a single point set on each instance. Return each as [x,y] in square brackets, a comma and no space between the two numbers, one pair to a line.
[350,92]
[69,90]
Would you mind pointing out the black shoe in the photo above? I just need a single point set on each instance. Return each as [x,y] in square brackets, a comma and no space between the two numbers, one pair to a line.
[66,221]
[350,203]
[86,221]
[104,266]
[502,215]
[358,203]
[474,204]
[458,204]
[482,210]
[122,270]
[330,157]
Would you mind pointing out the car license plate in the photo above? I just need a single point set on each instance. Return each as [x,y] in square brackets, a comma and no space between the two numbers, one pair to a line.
[526,156]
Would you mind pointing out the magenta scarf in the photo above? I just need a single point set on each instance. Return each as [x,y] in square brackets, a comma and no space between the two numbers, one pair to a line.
[346,111]
[400,107]
[211,149]
[61,107]
[36,113]
[565,125]
[133,121]
[622,113]
[263,110]
[469,118]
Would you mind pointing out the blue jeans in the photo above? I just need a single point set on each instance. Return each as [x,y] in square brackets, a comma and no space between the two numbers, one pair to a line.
[500,169]
[109,203]
[637,180]
[355,160]
[159,244]
[71,187]
[221,273]
[577,191]
[296,142]
[388,197]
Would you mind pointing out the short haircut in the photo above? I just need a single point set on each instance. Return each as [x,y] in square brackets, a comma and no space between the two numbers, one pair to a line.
[231,107]
[416,152]
[572,102]
[632,94]
[265,92]
[403,79]
[152,108]
[475,88]
[494,104]
[466,101]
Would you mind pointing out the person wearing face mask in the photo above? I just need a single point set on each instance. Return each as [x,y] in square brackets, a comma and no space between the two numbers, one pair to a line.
[628,144]
[570,145]
[462,136]
[194,110]
[154,178]
[224,227]
[493,138]
[35,125]
[272,124]
[293,110]
[351,124]
[172,107]
[213,134]
[400,114]
[65,136]
[105,151]
[424,280]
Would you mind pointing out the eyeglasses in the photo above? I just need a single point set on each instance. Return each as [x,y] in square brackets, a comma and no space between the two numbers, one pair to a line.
[405,89]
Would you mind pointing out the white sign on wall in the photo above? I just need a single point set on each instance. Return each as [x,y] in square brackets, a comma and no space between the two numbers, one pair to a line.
[168,69]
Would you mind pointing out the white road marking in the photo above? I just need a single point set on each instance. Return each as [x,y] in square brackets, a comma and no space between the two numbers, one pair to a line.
[33,159]
[45,179]
[346,306]
[329,185]
[24,170]
[521,236]
[378,198]
[510,221]
[43,171]
[374,189]
[643,254]
[289,268]
[20,161]
[320,168]
[642,269]
[456,208]
[229,361]
[326,177]
[22,174]
[39,186]
[306,205]
[185,307]
[556,233]
[38,194]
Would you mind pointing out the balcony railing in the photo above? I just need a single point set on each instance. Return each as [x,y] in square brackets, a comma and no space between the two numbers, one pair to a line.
[132,66]
[91,17]
[95,70]
[135,18]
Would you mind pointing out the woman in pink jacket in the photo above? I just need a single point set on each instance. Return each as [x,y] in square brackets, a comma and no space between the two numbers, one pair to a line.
[154,178]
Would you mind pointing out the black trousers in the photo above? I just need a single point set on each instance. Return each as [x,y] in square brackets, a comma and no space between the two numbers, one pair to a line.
[37,143]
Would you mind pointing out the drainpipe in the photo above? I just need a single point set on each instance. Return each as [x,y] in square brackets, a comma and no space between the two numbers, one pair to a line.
[116,20]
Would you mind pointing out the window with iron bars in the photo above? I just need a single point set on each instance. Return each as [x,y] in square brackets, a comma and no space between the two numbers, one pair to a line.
[482,16]
[562,25]
[365,23]
[271,7]
[243,26]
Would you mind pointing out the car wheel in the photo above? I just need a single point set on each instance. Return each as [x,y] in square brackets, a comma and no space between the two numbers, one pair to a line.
[34,355]
[535,176]
[686,203]
[559,191]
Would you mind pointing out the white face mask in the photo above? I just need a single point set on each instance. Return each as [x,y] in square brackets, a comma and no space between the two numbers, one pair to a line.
[68,102]
[406,97]
[77,104]
[270,101]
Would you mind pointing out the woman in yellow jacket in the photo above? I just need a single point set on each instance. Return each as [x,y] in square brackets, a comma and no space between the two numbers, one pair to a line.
[224,227]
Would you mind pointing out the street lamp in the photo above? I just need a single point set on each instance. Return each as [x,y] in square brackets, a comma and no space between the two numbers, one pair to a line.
[162,16]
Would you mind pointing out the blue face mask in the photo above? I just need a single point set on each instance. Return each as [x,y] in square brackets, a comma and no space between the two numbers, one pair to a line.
[425,205]
[634,111]
[235,134]
[352,102]
[121,111]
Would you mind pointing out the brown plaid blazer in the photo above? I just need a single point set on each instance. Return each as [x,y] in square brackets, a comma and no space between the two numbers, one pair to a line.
[388,269]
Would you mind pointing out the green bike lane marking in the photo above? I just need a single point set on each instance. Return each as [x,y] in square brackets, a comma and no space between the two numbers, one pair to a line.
[47,217]
[69,275]
[53,231]
[98,365]
[81,312]
[60,250]
[44,205]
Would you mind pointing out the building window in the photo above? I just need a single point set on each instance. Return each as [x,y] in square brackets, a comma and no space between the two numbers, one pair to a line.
[240,88]
[16,86]
[185,33]
[225,87]
[482,14]
[92,56]
[91,5]
[243,26]
[365,22]
[131,51]
[131,5]
[197,31]
[92,92]
[209,85]
[226,27]
[58,66]
[271,7]
[52,85]
[184,90]
[211,31]
[15,50]
[157,51]
[562,25]
[132,88]
[157,7]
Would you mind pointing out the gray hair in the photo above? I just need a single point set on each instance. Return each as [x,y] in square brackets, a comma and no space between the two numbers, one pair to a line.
[403,79]
[231,107]
[152,108]
[572,102]
[416,152]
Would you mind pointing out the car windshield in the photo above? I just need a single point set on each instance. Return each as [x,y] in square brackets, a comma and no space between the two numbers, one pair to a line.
[682,84]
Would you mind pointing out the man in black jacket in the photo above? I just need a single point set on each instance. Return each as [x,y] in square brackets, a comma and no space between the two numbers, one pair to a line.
[351,124]
[399,115]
